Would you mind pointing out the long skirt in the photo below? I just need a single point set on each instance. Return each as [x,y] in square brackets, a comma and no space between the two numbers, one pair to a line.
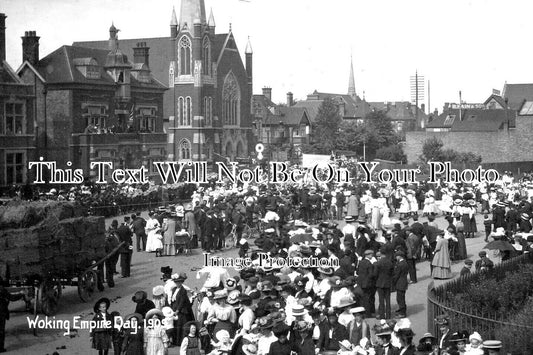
[441,273]
[473,225]
[466,222]
[460,251]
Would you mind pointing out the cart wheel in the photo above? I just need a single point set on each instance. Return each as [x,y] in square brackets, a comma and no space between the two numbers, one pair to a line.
[48,297]
[87,282]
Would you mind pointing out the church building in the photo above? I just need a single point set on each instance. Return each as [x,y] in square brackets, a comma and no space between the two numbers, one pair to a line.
[207,108]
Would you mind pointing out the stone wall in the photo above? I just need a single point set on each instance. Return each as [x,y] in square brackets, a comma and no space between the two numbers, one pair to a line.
[503,146]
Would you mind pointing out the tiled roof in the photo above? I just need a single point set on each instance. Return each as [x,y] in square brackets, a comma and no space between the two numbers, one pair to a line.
[311,106]
[7,75]
[473,120]
[399,110]
[500,100]
[292,116]
[516,94]
[60,66]
[353,107]
[262,100]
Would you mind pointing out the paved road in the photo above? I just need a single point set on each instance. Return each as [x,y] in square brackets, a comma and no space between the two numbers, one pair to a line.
[146,275]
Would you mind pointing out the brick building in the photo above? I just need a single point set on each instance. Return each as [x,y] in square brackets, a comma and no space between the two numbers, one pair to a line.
[500,133]
[95,105]
[17,118]
[208,105]
[282,129]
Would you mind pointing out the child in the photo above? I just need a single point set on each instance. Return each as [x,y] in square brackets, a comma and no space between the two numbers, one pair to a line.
[117,334]
[168,322]
[101,336]
[155,337]
[224,345]
[243,246]
[488,226]
[466,268]
[133,335]
[475,347]
[191,343]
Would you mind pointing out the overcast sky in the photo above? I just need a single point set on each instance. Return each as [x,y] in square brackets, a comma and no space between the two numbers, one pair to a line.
[303,45]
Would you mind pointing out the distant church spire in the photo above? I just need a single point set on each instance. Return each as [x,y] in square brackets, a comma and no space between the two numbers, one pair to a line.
[173,18]
[192,10]
[211,21]
[351,83]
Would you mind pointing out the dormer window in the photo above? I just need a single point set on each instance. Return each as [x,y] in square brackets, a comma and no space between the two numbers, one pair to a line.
[88,67]
[449,120]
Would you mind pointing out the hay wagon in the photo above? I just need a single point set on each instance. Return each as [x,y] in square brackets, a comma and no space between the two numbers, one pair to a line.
[45,246]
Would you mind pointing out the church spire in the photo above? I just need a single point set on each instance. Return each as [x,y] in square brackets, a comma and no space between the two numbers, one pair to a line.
[174,18]
[249,47]
[351,83]
[192,10]
[211,21]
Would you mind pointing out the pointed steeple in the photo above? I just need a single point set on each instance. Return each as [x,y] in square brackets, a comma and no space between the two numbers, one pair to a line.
[249,47]
[191,10]
[351,83]
[211,21]
[174,18]
[113,43]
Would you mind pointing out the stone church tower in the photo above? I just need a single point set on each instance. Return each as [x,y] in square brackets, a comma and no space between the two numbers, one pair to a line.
[211,87]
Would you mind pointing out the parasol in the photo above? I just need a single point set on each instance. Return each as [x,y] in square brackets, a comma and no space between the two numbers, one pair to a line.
[499,245]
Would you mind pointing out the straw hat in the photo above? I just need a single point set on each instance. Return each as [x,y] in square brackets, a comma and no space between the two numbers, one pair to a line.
[154,312]
[158,291]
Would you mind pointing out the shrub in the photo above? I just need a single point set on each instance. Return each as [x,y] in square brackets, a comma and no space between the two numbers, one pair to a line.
[518,340]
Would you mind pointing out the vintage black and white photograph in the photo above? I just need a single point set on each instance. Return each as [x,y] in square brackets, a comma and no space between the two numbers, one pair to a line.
[255,177]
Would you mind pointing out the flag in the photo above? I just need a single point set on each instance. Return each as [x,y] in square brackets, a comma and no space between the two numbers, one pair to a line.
[496,92]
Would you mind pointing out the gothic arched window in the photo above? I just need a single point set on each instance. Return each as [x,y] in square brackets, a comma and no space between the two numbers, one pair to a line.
[185,149]
[188,112]
[231,100]
[206,56]
[181,112]
[184,50]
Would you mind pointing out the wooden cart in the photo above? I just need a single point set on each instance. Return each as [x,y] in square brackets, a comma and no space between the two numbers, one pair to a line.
[46,289]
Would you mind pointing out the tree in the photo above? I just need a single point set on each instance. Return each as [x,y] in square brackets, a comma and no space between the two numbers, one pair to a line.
[392,153]
[380,124]
[431,150]
[325,129]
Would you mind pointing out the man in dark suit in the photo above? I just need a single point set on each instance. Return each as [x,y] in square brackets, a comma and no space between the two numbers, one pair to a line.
[399,282]
[333,334]
[209,231]
[5,298]
[137,225]
[383,336]
[384,269]
[387,249]
[484,264]
[125,235]
[413,243]
[180,304]
[367,281]
[445,333]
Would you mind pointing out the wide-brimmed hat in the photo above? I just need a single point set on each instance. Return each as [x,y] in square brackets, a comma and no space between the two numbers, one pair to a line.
[158,290]
[346,344]
[345,302]
[139,296]
[105,300]
[428,336]
[154,312]
[280,328]
[357,310]
[265,322]
[361,220]
[348,219]
[525,216]
[492,344]
[250,349]
[383,329]
[266,286]
[231,284]
[233,297]
[407,332]
[326,270]
[298,310]
[179,277]
[180,211]
[167,311]
[137,316]
[500,232]
[459,336]
[303,326]
[220,294]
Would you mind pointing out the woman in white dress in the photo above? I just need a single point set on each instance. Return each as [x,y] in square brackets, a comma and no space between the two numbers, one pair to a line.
[404,205]
[446,203]
[430,207]
[153,232]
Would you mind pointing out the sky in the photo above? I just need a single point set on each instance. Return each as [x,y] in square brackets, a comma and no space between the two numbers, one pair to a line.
[305,45]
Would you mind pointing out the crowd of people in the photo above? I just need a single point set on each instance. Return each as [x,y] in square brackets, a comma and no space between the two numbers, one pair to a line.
[270,309]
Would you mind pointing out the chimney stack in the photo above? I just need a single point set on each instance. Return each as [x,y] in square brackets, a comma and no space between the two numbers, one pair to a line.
[289,99]
[141,54]
[2,38]
[267,92]
[423,108]
[30,47]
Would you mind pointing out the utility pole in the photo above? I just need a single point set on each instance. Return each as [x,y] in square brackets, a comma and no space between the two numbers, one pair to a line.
[417,91]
